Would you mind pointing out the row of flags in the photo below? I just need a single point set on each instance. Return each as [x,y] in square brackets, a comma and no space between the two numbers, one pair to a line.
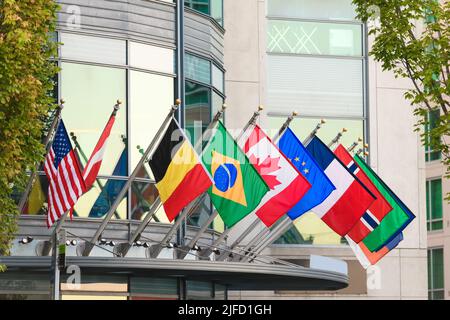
[251,175]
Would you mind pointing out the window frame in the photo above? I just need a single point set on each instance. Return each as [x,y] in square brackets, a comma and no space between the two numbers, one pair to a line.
[430,256]
[429,218]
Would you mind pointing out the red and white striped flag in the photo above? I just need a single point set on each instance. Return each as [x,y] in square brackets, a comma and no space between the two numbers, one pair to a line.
[92,167]
[66,184]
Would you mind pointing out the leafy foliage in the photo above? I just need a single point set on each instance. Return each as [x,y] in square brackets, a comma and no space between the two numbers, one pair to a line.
[412,40]
[26,78]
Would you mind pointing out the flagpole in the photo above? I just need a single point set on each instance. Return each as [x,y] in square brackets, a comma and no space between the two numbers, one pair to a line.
[156,249]
[83,155]
[88,246]
[256,221]
[47,245]
[51,131]
[314,132]
[337,138]
[285,222]
[225,233]
[285,125]
[354,145]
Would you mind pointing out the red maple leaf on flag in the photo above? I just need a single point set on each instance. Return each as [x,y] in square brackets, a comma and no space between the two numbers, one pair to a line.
[266,168]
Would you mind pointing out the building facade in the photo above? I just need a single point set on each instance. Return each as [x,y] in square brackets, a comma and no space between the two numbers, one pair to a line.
[303,55]
[312,57]
[437,189]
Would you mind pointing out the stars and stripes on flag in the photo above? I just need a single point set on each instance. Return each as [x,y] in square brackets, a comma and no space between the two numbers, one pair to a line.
[321,186]
[345,206]
[66,183]
[92,167]
[377,210]
[287,185]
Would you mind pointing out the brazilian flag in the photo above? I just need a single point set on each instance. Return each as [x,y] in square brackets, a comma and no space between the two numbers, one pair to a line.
[238,188]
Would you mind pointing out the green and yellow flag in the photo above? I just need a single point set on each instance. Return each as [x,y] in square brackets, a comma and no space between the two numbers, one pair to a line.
[238,188]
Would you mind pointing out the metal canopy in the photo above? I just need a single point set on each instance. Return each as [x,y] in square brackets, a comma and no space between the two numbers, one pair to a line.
[237,276]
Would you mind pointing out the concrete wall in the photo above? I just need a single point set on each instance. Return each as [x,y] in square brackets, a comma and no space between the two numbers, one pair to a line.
[396,154]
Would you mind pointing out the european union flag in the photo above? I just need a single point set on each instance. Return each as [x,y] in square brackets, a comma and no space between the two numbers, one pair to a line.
[321,186]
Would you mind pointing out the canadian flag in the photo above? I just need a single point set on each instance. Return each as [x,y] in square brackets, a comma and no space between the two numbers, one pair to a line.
[287,185]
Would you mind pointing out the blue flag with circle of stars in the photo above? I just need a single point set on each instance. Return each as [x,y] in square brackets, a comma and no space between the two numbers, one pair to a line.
[321,186]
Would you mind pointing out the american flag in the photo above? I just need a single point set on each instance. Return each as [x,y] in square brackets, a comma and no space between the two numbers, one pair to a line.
[66,182]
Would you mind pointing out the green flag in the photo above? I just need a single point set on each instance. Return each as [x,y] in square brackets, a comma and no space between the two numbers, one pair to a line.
[238,188]
[394,222]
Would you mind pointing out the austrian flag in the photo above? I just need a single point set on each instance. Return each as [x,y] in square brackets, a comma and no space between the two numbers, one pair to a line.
[287,185]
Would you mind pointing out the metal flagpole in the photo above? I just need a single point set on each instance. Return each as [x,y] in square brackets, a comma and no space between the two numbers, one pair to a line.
[83,155]
[363,150]
[224,234]
[47,245]
[354,145]
[337,138]
[281,228]
[51,131]
[155,250]
[88,246]
[260,247]
[255,222]
[285,223]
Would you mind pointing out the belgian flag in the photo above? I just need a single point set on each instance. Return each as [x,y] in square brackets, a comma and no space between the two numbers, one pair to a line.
[180,175]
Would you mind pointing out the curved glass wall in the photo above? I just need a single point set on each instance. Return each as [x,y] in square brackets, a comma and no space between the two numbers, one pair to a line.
[95,72]
[316,61]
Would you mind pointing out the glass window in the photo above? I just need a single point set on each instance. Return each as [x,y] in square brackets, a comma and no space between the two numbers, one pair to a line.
[436,274]
[153,288]
[198,109]
[312,9]
[143,195]
[214,8]
[217,78]
[98,200]
[315,86]
[217,11]
[93,204]
[309,228]
[197,290]
[434,205]
[151,97]
[433,119]
[297,37]
[93,49]
[91,90]
[197,69]
[199,5]
[220,292]
[151,57]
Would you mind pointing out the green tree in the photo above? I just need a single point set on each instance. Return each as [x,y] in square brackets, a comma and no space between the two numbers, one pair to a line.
[412,40]
[26,78]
